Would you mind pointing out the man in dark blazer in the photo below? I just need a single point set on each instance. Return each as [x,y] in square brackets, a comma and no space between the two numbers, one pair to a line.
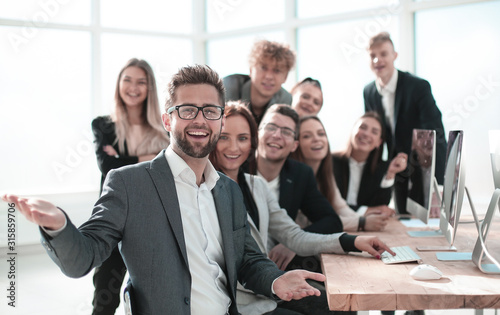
[295,186]
[292,181]
[404,102]
[166,236]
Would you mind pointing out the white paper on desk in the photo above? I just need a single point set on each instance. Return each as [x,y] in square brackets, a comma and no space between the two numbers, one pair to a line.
[416,223]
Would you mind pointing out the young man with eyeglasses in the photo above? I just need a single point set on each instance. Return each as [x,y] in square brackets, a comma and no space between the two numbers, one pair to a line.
[269,63]
[182,226]
[292,181]
[295,187]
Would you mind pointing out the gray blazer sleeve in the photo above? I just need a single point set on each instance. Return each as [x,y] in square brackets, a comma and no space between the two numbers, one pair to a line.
[78,251]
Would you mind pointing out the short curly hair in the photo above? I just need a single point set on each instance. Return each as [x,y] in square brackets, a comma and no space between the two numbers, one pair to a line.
[274,50]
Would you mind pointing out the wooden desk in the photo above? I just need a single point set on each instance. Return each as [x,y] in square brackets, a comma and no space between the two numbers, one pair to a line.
[358,282]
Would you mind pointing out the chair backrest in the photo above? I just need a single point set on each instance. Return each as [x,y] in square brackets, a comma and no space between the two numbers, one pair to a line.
[128,297]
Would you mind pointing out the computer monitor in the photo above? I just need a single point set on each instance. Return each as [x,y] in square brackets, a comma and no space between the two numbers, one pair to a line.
[454,185]
[421,165]
[495,156]
[453,193]
[422,184]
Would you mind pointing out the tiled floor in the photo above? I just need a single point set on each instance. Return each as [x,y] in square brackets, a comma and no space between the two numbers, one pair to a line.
[42,289]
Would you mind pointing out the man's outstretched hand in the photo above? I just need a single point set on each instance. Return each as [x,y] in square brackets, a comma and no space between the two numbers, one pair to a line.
[38,211]
[293,285]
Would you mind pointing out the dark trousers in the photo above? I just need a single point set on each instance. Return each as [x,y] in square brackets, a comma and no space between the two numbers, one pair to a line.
[108,279]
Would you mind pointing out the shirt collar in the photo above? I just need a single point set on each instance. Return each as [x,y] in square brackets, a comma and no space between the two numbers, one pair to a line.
[180,169]
[356,163]
[391,85]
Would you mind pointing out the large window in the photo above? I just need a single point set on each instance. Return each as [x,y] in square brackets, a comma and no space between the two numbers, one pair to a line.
[60,61]
[59,65]
[459,57]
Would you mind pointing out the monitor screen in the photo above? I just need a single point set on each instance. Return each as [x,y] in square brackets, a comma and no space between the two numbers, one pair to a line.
[454,185]
[421,164]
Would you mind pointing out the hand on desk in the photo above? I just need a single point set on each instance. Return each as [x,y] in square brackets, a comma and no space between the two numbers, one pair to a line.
[293,286]
[38,211]
[372,245]
[281,255]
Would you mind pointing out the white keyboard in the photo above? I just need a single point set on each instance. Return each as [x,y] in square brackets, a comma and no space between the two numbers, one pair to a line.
[403,254]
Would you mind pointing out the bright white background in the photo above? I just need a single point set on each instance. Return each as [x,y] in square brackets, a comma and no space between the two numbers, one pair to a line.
[59,60]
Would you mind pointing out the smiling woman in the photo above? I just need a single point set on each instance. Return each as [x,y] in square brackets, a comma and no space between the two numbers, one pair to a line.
[133,134]
[314,150]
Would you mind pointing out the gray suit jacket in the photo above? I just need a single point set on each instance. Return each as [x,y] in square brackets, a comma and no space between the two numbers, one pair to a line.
[139,207]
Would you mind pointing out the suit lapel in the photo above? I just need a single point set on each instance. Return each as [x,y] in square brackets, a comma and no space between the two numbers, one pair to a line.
[365,183]
[225,216]
[398,99]
[286,187]
[389,137]
[165,187]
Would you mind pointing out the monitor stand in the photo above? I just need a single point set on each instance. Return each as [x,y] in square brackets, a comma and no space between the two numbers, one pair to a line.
[480,249]
[457,256]
[431,233]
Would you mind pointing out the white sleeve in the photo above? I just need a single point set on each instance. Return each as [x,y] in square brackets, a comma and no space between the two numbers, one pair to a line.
[349,217]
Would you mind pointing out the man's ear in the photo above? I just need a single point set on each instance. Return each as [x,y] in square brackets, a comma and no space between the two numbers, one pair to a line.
[166,122]
[295,145]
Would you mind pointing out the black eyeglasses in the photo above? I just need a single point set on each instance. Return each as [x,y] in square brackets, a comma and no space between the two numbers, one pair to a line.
[188,112]
[311,81]
[285,131]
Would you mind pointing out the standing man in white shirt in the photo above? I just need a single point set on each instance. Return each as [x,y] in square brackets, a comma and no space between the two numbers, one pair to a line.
[404,102]
[183,227]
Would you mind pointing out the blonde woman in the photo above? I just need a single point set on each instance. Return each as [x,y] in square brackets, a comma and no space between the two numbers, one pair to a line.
[132,134]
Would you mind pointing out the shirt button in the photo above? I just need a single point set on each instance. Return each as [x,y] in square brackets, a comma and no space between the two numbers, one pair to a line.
[186,300]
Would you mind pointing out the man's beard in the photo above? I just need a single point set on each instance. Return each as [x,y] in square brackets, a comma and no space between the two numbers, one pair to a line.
[198,150]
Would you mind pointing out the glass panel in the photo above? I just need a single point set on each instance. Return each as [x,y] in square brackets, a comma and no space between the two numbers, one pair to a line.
[460,60]
[47,110]
[227,15]
[166,16]
[230,55]
[38,13]
[341,64]
[165,55]
[314,8]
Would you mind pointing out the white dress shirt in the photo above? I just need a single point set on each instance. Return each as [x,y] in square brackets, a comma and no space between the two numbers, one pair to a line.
[388,93]
[355,175]
[274,184]
[202,236]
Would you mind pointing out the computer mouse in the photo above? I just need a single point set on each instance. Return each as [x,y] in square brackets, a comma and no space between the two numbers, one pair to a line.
[426,272]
